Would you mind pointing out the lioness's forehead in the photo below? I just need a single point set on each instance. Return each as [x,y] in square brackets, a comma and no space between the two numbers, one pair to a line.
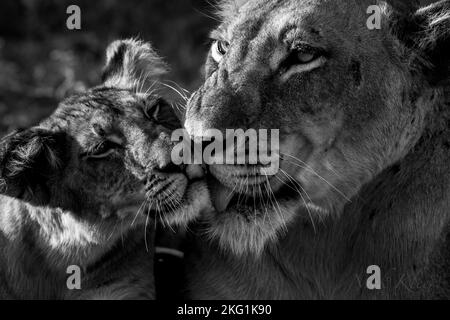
[248,18]
[229,9]
[263,31]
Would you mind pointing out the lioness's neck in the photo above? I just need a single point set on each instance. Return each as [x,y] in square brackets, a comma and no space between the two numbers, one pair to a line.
[397,222]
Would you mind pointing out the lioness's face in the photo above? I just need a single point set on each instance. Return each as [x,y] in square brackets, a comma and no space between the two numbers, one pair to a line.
[341,95]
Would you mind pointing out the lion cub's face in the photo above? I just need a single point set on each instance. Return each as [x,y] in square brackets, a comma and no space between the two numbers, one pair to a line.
[348,101]
[103,155]
[120,147]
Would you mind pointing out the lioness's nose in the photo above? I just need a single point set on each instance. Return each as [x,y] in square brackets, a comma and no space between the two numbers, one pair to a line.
[221,104]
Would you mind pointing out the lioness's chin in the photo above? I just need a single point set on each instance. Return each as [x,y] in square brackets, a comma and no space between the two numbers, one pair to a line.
[249,234]
[243,224]
[253,210]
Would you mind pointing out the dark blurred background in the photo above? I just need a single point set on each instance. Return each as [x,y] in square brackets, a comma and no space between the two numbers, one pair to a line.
[41,61]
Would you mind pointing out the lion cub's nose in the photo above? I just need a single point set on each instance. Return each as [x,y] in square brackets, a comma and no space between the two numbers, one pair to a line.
[170,167]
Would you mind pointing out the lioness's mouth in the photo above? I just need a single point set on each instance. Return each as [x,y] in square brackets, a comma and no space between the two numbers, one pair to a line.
[253,198]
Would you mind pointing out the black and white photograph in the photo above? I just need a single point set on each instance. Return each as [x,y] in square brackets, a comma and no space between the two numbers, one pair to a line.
[240,152]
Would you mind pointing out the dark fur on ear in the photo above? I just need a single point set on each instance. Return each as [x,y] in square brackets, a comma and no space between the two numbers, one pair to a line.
[434,40]
[28,158]
[427,33]
[132,64]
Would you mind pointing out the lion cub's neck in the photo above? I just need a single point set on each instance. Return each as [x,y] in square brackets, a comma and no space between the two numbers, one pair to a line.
[58,236]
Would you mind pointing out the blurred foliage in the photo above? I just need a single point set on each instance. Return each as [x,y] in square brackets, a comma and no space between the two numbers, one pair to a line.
[41,61]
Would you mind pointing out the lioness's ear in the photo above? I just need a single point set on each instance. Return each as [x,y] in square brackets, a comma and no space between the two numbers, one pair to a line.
[132,64]
[427,33]
[28,158]
[434,39]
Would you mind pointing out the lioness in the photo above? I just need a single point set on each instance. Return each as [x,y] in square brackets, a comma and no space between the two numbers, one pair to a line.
[360,206]
[80,190]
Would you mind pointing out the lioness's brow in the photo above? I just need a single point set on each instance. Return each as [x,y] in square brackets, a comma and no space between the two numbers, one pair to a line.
[217,34]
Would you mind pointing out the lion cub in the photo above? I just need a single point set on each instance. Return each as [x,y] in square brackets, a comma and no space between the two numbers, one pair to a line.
[78,192]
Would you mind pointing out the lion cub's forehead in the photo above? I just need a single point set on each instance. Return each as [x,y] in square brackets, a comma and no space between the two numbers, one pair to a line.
[106,107]
[119,108]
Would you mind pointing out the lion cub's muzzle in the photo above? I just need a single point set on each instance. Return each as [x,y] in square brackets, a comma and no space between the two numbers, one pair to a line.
[165,189]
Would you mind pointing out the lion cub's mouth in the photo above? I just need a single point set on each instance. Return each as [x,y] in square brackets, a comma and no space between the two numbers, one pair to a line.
[166,191]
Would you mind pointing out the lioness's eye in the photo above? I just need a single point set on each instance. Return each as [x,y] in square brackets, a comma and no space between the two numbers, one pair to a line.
[304,53]
[219,49]
[302,59]
[305,57]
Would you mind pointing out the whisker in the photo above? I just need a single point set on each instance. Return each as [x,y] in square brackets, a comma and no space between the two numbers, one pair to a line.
[138,84]
[150,90]
[112,232]
[215,6]
[303,165]
[144,81]
[275,207]
[300,194]
[184,97]
[172,208]
[122,233]
[187,92]
[207,15]
[156,222]
[298,185]
[232,191]
[175,106]
[241,191]
[138,212]
[145,231]
[182,107]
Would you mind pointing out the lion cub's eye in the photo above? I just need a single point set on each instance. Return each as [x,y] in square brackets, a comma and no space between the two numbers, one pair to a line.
[102,150]
[152,111]
[219,49]
[161,113]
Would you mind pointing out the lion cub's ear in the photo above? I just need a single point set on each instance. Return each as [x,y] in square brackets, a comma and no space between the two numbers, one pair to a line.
[133,65]
[28,159]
